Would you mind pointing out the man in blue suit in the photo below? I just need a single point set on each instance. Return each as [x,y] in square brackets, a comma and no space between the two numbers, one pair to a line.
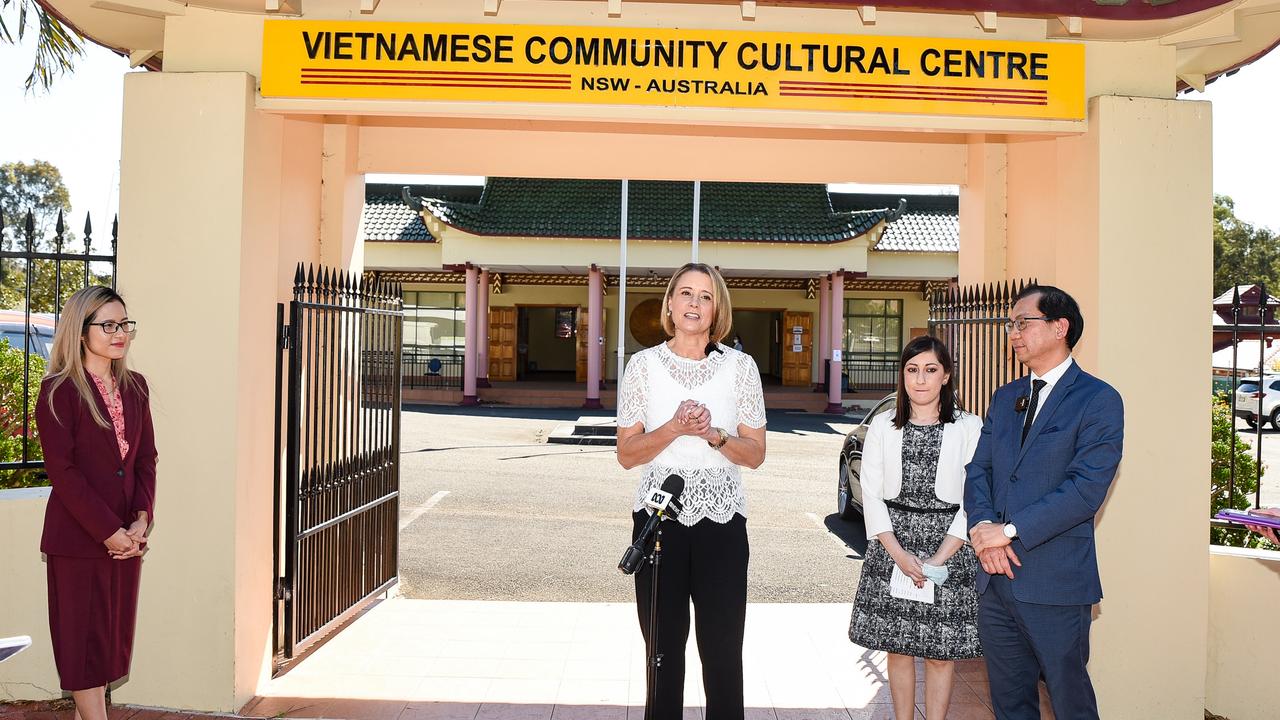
[1047,454]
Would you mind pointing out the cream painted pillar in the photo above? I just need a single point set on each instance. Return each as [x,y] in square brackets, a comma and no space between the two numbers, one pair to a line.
[470,352]
[836,309]
[595,308]
[201,222]
[1133,212]
[824,328]
[983,209]
[482,332]
[341,196]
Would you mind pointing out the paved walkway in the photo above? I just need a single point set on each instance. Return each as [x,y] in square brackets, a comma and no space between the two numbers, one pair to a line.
[410,659]
[439,659]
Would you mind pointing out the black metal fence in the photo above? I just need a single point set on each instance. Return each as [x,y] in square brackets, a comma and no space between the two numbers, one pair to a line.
[871,373]
[1259,414]
[37,275]
[426,368]
[970,320]
[340,421]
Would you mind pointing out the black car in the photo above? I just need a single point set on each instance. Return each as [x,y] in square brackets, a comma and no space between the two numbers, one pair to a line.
[849,486]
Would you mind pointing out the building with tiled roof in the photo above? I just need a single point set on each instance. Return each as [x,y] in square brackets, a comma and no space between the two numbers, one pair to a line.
[534,241]
[928,223]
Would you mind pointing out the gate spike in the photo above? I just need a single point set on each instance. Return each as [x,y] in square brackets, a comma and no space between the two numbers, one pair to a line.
[59,227]
[31,229]
[115,234]
[88,226]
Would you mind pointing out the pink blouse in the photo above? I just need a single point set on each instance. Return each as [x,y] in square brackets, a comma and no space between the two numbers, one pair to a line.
[116,408]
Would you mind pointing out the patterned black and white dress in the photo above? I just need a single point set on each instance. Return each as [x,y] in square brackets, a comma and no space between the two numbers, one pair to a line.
[947,629]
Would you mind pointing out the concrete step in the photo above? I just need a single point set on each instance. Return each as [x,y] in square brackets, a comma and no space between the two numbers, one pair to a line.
[586,431]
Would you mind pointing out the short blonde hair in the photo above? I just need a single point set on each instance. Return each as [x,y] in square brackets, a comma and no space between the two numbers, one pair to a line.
[719,299]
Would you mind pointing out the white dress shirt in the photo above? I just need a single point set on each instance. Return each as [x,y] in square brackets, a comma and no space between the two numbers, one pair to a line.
[1050,379]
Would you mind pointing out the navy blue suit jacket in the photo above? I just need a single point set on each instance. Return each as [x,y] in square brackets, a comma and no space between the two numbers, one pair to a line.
[1051,486]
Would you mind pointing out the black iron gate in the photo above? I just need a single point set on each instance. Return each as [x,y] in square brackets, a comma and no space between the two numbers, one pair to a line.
[970,320]
[338,385]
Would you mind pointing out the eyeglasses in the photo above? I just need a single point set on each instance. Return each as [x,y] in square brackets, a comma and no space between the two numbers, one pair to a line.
[1021,323]
[111,327]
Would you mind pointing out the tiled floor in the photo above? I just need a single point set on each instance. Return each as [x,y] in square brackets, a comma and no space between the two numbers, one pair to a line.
[462,660]
[455,660]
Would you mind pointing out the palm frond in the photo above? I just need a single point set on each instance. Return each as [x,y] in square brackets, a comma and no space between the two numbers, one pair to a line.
[57,46]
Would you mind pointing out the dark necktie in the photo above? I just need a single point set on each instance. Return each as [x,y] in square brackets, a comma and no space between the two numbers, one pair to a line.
[1031,409]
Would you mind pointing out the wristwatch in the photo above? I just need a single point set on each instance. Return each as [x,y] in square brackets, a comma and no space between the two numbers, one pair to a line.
[1010,530]
[724,438]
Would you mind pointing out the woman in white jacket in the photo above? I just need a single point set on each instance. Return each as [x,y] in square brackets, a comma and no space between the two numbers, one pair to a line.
[913,470]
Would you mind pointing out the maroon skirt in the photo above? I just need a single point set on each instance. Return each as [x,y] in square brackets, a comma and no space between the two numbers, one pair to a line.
[93,605]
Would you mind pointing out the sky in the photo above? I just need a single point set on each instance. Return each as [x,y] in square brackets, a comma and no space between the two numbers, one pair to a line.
[76,126]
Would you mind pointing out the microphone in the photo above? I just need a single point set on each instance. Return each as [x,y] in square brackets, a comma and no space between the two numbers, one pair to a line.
[712,347]
[665,503]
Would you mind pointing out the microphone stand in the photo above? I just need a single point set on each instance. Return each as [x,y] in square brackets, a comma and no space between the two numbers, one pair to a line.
[655,657]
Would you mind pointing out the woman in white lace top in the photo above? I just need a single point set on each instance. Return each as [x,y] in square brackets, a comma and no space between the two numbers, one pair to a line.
[694,408]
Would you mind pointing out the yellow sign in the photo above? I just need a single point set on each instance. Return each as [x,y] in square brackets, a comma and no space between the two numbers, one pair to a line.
[667,67]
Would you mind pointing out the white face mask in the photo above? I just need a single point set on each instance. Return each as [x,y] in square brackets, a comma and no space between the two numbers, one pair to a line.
[937,573]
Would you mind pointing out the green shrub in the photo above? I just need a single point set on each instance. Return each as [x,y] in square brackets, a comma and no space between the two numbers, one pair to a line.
[1246,484]
[11,414]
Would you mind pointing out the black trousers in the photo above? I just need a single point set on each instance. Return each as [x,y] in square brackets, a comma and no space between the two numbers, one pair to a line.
[706,563]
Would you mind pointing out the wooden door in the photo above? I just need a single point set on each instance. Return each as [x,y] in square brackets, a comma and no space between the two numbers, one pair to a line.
[582,340]
[502,343]
[797,348]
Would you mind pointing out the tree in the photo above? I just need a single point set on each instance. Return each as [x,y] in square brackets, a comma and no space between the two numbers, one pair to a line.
[1242,254]
[57,46]
[37,188]
[34,188]
[12,397]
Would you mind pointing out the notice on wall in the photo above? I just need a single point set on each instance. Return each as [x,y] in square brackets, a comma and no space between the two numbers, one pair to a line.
[672,67]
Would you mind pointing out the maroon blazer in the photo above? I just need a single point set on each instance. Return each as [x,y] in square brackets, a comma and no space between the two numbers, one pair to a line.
[95,492]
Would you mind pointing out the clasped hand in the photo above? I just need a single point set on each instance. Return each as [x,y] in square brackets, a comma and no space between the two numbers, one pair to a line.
[128,542]
[994,550]
[692,418]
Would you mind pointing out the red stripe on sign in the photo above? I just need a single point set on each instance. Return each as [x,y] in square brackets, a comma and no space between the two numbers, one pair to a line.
[881,96]
[905,93]
[538,82]
[436,84]
[987,90]
[434,72]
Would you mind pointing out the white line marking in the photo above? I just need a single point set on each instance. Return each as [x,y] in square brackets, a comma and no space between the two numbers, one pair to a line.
[827,531]
[422,509]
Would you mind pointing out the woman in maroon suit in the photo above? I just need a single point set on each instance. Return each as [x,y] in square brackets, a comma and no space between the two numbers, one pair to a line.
[99,450]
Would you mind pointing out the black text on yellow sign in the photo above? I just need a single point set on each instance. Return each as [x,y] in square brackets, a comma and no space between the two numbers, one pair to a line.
[781,71]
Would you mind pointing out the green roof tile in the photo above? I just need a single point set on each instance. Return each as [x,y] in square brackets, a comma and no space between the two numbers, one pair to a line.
[657,210]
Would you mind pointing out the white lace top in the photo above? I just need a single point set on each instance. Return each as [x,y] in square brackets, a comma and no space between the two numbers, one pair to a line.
[728,383]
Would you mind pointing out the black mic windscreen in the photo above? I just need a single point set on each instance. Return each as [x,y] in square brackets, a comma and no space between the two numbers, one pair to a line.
[674,484]
[711,347]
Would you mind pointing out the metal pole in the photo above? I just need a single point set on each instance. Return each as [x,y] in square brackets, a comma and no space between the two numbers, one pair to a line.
[622,285]
[1235,371]
[697,216]
[1262,381]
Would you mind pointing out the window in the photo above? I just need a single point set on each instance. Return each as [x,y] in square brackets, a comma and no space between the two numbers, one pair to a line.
[873,328]
[434,322]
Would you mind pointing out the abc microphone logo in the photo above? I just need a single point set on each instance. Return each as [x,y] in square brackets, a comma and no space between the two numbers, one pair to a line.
[658,500]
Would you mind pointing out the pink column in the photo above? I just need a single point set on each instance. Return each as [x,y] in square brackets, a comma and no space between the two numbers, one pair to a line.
[824,329]
[595,309]
[469,396]
[836,308]
[482,333]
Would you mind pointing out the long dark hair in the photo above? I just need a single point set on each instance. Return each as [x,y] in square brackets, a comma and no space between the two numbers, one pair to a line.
[948,408]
